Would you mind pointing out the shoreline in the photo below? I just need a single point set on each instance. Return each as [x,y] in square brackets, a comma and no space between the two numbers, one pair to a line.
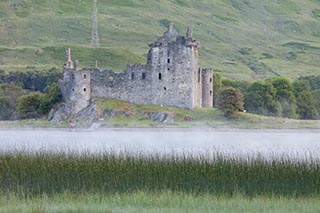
[160,129]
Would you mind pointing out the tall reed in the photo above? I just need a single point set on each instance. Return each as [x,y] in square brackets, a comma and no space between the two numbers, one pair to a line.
[42,173]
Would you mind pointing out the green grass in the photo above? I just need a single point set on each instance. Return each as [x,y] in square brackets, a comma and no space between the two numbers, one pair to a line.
[126,27]
[29,175]
[155,202]
[125,114]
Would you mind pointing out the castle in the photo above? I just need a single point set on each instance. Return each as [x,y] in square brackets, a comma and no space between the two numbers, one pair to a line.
[171,77]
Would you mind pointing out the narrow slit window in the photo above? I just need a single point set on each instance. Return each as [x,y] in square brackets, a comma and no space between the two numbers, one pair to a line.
[210,92]
[160,76]
[168,60]
[132,76]
[210,80]
[143,76]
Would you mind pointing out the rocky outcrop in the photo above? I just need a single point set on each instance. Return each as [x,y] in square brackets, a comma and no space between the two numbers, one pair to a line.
[65,113]
[161,117]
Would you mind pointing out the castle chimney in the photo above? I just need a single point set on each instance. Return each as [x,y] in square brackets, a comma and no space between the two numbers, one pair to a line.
[170,27]
[68,62]
[189,32]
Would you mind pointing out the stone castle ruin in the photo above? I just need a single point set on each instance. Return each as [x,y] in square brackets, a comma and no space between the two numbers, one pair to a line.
[171,77]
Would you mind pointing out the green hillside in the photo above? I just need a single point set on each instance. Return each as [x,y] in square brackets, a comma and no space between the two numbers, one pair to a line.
[243,39]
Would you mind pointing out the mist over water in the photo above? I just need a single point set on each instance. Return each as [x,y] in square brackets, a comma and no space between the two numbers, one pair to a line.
[269,144]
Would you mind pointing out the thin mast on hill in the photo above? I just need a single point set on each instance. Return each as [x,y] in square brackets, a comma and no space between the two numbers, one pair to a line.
[94,32]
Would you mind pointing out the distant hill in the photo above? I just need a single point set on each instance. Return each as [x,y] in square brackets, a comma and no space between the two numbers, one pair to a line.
[242,39]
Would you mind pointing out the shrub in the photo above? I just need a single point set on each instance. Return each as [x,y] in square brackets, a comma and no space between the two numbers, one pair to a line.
[230,101]
[29,105]
[305,101]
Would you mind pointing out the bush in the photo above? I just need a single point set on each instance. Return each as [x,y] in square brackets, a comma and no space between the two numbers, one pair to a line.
[230,101]
[29,105]
[260,99]
[9,95]
[305,101]
[284,96]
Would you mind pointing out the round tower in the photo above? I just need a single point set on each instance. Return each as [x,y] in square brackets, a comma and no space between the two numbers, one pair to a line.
[207,88]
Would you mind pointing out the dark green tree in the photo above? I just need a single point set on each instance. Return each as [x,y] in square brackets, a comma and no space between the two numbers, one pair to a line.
[316,96]
[230,101]
[260,99]
[9,94]
[306,105]
[29,105]
[51,97]
[284,96]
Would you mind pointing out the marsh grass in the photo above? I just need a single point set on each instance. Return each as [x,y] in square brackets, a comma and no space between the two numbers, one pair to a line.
[34,174]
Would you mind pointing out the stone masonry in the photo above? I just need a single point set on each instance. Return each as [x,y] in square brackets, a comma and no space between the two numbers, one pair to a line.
[171,77]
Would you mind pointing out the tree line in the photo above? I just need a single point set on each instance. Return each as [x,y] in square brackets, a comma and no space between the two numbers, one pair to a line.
[276,96]
[29,94]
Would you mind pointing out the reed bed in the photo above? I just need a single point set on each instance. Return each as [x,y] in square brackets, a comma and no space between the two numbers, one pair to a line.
[32,174]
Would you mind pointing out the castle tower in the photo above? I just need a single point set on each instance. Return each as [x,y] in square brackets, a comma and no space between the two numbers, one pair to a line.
[68,62]
[207,88]
[76,85]
[80,94]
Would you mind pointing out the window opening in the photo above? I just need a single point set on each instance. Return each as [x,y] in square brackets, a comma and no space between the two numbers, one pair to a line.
[165,88]
[168,60]
[210,80]
[132,76]
[85,89]
[168,69]
[160,76]
[84,76]
[73,89]
[210,92]
[143,76]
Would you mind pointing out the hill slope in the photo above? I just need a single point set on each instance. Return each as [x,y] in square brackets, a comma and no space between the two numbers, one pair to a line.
[243,39]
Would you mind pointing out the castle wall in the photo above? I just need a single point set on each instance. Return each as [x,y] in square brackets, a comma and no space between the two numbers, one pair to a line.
[171,77]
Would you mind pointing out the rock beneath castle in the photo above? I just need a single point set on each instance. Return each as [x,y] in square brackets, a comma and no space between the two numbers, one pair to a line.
[171,77]
[161,117]
[60,114]
[65,113]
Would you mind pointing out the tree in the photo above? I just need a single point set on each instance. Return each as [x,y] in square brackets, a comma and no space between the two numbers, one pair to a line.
[260,99]
[230,101]
[51,97]
[306,105]
[9,95]
[284,96]
[316,96]
[29,105]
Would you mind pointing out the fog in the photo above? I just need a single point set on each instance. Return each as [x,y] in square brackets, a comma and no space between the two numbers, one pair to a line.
[297,144]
